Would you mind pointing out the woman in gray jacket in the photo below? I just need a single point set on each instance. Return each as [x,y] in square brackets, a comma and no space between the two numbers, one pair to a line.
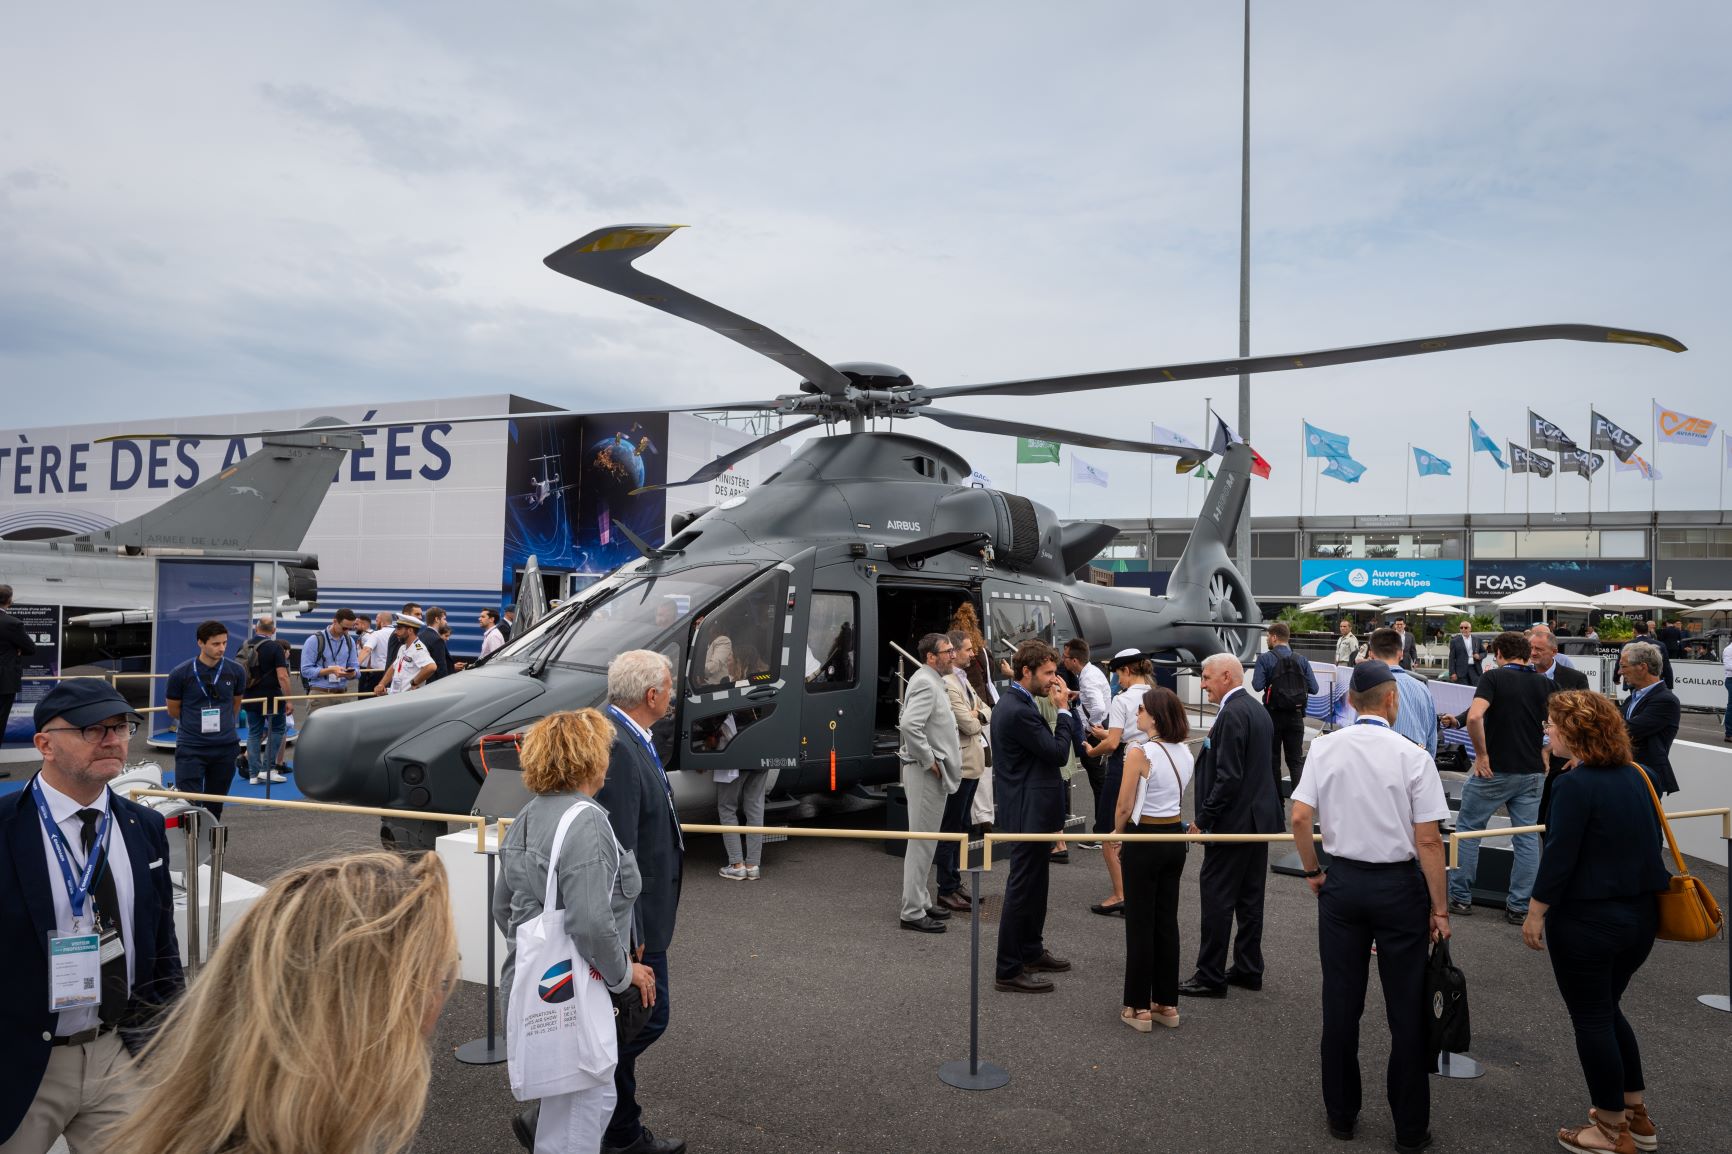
[564,761]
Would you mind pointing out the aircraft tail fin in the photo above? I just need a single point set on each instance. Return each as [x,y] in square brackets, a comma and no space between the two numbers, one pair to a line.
[1205,585]
[266,501]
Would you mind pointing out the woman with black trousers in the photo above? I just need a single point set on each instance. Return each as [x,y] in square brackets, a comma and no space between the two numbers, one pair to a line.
[1152,870]
[1595,900]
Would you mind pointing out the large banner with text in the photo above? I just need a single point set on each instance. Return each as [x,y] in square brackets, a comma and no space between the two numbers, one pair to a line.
[1380,577]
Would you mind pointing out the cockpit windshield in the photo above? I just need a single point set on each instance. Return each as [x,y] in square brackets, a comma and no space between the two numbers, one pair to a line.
[624,611]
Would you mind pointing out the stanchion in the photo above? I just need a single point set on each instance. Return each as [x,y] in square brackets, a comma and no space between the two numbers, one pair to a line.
[219,839]
[490,1050]
[189,824]
[1723,1002]
[1457,1066]
[973,1074]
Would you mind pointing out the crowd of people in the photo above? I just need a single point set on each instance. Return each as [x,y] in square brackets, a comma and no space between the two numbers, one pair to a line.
[118,1054]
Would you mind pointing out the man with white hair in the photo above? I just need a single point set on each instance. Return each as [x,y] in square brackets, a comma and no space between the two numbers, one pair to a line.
[639,801]
[1235,794]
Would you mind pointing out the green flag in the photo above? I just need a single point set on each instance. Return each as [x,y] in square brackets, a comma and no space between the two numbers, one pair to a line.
[1033,452]
[1203,473]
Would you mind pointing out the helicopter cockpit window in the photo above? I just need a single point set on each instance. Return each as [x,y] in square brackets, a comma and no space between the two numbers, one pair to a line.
[741,640]
[714,734]
[1011,621]
[624,613]
[831,641]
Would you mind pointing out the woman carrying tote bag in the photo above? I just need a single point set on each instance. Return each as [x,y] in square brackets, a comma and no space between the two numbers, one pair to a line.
[1596,905]
[568,928]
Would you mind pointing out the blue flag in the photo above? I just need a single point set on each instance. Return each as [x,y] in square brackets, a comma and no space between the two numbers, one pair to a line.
[1429,463]
[1483,443]
[1344,469]
[1323,443]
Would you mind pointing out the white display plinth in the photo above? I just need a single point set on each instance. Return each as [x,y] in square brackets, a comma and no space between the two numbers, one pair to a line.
[471,903]
[238,896]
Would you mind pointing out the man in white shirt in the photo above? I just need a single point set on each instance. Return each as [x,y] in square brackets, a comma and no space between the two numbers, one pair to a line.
[413,666]
[491,636]
[375,652]
[1094,699]
[1380,799]
[1726,660]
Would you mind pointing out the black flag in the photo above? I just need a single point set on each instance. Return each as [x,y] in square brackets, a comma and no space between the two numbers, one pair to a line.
[1581,462]
[1542,434]
[1605,435]
[1523,461]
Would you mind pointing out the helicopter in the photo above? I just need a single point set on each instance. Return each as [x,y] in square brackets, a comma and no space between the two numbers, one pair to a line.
[782,611]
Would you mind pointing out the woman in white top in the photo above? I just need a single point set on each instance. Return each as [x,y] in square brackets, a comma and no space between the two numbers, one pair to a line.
[1157,770]
[1136,673]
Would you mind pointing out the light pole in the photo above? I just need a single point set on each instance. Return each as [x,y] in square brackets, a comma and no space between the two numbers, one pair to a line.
[1242,549]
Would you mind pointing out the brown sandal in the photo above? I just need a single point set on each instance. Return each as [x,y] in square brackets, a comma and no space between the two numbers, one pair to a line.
[1642,1131]
[1139,1020]
[1617,1138]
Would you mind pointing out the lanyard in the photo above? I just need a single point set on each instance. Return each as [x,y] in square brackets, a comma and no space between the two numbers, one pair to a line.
[215,682]
[1372,721]
[76,891]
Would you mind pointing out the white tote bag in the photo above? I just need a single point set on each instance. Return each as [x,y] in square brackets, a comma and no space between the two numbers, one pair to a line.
[981,811]
[559,1029]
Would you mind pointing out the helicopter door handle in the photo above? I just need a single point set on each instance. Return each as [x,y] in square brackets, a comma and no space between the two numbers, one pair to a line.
[759,692]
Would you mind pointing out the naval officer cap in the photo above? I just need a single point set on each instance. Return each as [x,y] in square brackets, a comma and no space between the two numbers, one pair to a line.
[1368,675]
[1126,657]
[82,701]
[410,620]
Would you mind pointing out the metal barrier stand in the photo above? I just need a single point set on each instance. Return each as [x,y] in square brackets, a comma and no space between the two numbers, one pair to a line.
[488,1050]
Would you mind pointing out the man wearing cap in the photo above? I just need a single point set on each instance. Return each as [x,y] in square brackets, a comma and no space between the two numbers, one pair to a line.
[413,666]
[203,696]
[90,944]
[1381,801]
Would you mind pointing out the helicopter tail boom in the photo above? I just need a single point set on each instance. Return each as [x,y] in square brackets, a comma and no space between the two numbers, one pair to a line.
[1205,585]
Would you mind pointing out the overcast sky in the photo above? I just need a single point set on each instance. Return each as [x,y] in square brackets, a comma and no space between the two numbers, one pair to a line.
[207,208]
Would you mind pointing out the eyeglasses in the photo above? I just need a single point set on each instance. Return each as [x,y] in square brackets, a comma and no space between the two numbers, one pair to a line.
[95,734]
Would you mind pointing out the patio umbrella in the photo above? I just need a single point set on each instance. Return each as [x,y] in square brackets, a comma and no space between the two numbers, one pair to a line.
[1631,599]
[1712,607]
[1423,605]
[1343,599]
[1544,596]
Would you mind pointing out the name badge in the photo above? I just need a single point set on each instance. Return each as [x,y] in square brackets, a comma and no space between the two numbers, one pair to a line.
[210,720]
[74,971]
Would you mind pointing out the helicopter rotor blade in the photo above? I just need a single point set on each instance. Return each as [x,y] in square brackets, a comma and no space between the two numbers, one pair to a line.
[604,259]
[1354,354]
[536,415]
[1190,455]
[727,460]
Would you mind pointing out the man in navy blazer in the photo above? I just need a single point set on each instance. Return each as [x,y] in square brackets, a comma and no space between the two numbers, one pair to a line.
[58,1063]
[1463,669]
[1235,794]
[1651,712]
[1026,760]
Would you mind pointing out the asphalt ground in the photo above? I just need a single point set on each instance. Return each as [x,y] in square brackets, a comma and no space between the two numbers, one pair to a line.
[805,1019]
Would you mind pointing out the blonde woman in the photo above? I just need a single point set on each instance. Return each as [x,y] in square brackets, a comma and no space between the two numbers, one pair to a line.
[307,1032]
[564,761]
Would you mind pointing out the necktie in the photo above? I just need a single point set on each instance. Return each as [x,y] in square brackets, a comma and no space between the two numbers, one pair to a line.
[114,985]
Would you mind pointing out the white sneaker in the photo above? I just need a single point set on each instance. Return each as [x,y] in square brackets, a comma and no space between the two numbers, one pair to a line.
[753,873]
[733,873]
[277,777]
[256,779]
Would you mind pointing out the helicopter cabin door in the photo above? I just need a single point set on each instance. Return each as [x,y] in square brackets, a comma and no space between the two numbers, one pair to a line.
[1014,614]
[744,672]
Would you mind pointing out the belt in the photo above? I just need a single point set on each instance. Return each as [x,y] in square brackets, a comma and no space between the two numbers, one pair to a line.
[83,1037]
[1405,863]
[326,689]
[1160,823]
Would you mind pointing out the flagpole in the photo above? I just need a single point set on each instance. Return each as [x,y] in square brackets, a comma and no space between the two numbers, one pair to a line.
[1070,491]
[1301,465]
[1653,452]
[1471,449]
[1590,475]
[1151,512]
[1407,484]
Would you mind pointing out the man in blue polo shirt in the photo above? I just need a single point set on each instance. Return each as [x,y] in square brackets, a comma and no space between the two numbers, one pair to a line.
[1416,719]
[203,697]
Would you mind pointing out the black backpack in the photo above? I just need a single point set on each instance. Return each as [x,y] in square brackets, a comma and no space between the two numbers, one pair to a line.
[1287,688]
[1446,999]
[248,658]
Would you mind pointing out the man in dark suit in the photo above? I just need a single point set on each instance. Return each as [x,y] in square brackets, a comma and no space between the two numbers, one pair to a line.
[1026,759]
[117,914]
[1409,646]
[1543,649]
[1463,669]
[1672,639]
[1651,712]
[1235,794]
[1648,635]
[15,644]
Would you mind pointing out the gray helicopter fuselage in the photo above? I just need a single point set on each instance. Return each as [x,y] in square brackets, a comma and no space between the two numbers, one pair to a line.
[778,611]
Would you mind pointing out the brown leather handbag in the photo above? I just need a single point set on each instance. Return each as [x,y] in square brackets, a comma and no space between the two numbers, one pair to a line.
[1688,911]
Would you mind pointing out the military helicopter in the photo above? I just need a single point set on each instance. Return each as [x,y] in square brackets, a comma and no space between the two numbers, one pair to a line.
[780,610]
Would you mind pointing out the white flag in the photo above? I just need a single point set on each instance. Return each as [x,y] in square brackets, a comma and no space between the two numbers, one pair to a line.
[1681,428]
[1081,470]
[979,480]
[1165,436]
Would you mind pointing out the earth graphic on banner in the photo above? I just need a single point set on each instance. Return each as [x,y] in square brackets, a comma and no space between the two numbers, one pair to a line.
[616,462]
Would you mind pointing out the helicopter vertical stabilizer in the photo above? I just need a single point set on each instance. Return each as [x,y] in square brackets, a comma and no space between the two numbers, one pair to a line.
[266,501]
[1205,585]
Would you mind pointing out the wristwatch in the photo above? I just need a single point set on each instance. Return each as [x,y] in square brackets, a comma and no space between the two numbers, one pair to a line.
[1317,873]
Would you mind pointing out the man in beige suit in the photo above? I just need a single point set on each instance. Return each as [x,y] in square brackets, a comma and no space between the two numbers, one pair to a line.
[973,716]
[931,759]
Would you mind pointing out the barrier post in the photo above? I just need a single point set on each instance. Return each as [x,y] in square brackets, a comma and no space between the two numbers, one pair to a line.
[1723,1002]
[219,839]
[189,824]
[487,1051]
[973,1074]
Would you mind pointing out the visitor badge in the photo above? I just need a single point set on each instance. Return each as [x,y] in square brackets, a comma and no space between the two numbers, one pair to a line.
[210,721]
[75,972]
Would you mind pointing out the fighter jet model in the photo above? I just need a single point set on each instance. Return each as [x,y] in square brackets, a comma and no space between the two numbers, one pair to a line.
[781,611]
